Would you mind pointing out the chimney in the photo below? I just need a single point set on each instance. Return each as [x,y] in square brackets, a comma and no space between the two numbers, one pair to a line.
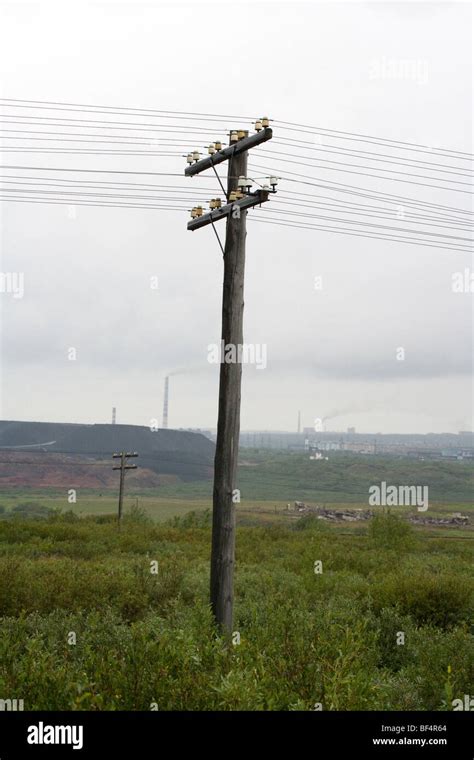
[114,415]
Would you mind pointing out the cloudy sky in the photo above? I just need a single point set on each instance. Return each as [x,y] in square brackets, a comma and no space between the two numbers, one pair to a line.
[399,71]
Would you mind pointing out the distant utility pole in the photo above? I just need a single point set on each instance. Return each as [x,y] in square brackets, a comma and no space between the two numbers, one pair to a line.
[123,456]
[238,198]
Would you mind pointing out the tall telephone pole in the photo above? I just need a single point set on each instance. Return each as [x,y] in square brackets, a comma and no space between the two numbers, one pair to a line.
[238,200]
[123,466]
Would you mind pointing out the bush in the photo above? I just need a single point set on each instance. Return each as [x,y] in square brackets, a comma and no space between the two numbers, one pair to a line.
[310,522]
[390,532]
[137,515]
[147,638]
[32,510]
[193,519]
[430,599]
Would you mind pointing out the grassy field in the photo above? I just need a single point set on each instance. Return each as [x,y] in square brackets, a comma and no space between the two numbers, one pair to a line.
[344,478]
[161,508]
[86,624]
[268,480]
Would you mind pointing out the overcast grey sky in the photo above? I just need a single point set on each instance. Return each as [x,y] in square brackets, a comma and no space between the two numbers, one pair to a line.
[87,272]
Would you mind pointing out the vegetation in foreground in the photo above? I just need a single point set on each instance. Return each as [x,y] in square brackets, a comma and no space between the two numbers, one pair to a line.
[146,641]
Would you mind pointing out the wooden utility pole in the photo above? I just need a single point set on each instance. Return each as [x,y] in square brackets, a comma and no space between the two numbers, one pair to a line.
[228,424]
[238,200]
[123,466]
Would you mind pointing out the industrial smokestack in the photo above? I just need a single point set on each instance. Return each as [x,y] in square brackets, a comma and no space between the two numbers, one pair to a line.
[114,415]
[165,405]
[299,422]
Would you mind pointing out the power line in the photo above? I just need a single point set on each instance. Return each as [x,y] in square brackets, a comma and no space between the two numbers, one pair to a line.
[349,151]
[92,171]
[353,234]
[191,114]
[109,125]
[9,199]
[189,134]
[104,184]
[66,193]
[77,138]
[465,173]
[371,224]
[88,151]
[188,199]
[351,204]
[173,194]
[72,197]
[93,183]
[449,154]
[357,135]
[131,141]
[377,194]
[342,188]
[187,115]
[134,126]
[430,221]
[375,176]
[64,190]
[75,201]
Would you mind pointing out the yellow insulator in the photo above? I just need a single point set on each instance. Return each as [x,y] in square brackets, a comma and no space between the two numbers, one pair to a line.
[218,203]
[189,158]
[242,133]
[258,125]
[234,136]
[193,213]
[265,121]
[218,145]
[211,149]
[196,155]
[199,210]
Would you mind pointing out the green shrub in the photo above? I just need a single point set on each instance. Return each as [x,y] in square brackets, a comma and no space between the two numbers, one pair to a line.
[31,509]
[389,531]
[309,522]
[193,519]
[146,638]
[430,599]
